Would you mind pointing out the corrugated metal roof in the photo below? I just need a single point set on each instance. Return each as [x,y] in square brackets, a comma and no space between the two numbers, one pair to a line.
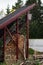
[13,16]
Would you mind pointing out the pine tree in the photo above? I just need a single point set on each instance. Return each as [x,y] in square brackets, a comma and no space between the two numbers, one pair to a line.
[35,24]
[18,4]
[8,9]
[29,2]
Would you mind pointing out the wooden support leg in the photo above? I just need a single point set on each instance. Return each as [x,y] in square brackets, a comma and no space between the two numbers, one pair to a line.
[16,39]
[4,40]
[27,36]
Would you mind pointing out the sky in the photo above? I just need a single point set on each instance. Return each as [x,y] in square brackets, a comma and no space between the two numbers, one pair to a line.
[4,3]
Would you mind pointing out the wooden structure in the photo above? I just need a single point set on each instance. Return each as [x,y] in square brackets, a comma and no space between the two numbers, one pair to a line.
[4,22]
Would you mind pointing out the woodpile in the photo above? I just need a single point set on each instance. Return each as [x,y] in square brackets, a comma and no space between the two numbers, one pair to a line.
[10,49]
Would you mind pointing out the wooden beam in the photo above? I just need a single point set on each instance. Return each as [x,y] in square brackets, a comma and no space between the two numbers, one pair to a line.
[17,30]
[4,39]
[9,33]
[27,35]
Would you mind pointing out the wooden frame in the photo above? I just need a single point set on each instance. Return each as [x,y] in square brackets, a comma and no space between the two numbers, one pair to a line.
[4,26]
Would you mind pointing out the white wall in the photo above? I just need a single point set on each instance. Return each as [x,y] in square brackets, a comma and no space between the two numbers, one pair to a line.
[36,44]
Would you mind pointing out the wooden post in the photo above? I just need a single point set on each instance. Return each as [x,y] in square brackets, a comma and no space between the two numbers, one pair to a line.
[4,40]
[16,39]
[27,35]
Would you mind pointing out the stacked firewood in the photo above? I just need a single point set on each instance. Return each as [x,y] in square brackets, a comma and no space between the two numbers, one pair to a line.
[10,49]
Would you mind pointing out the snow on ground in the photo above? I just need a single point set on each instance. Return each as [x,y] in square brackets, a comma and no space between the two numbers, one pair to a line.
[36,44]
